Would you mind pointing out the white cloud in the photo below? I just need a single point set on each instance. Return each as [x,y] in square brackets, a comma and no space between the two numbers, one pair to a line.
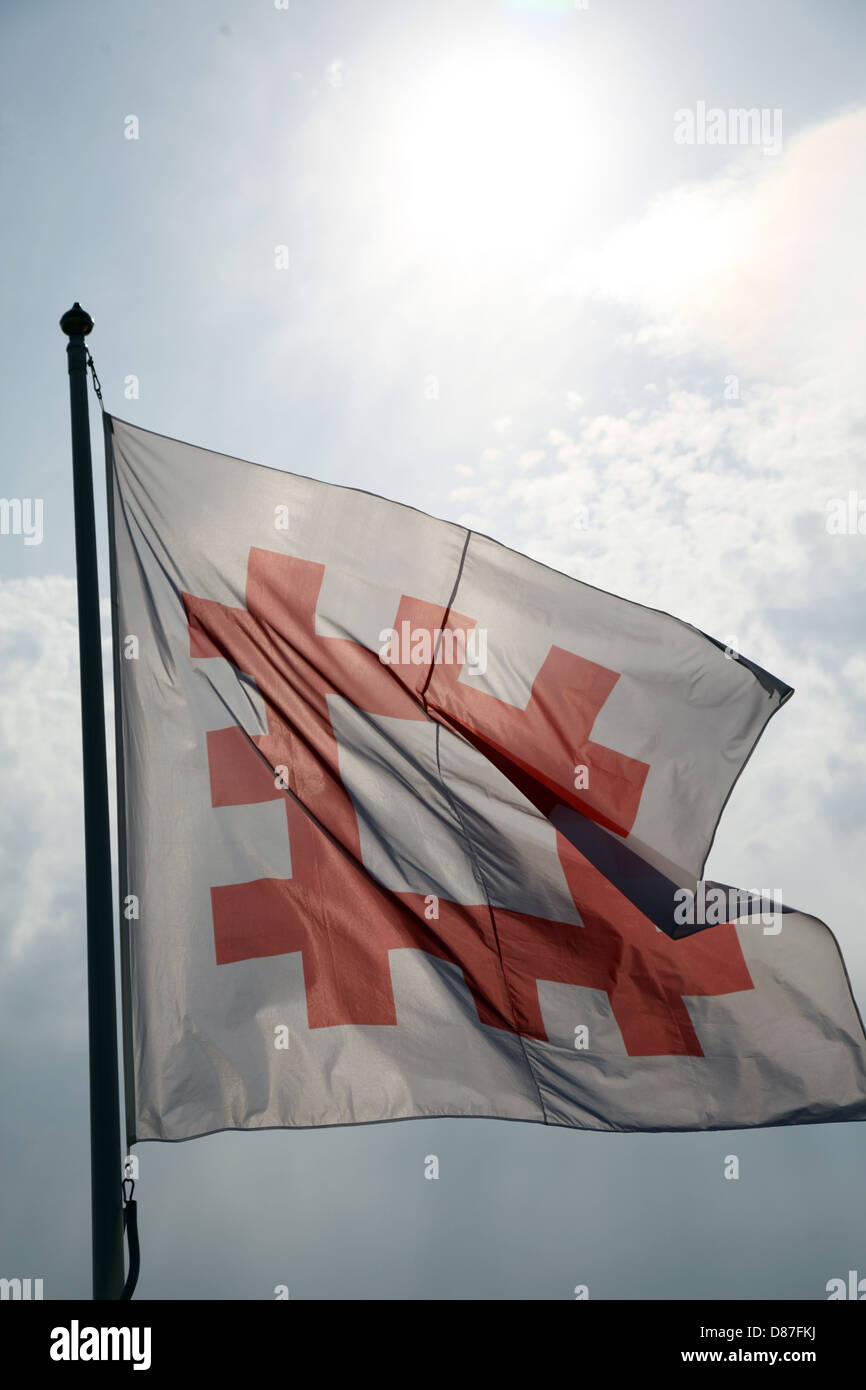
[41,819]
[712,505]
[530,458]
[761,268]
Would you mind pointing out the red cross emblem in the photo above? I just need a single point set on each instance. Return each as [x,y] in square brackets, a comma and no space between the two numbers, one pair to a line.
[342,921]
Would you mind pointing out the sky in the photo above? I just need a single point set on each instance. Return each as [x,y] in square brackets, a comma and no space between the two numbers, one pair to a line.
[477,257]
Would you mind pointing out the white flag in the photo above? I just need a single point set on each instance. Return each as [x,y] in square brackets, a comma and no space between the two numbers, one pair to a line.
[414,826]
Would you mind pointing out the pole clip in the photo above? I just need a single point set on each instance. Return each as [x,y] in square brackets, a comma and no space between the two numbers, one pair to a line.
[96,386]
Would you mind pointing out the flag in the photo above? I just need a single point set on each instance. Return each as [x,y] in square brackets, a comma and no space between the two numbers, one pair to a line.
[413,825]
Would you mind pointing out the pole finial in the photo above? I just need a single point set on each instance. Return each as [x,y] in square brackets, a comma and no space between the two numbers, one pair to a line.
[76,321]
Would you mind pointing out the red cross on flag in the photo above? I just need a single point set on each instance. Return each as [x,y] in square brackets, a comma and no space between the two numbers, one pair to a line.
[414,826]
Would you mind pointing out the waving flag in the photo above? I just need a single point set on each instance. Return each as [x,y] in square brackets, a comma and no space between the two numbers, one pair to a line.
[415,826]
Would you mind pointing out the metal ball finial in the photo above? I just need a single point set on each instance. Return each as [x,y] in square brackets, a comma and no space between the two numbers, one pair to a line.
[76,321]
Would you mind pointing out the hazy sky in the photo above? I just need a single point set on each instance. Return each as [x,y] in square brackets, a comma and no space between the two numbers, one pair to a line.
[460,253]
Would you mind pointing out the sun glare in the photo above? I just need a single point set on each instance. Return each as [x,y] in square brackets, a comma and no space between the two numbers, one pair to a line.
[494,159]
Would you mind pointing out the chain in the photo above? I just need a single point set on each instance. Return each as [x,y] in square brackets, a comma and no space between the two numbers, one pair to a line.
[96,386]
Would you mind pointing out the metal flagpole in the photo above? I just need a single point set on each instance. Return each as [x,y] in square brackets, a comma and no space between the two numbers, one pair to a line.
[105,1151]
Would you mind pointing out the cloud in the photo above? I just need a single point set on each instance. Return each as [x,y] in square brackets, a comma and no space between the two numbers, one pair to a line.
[761,267]
[706,496]
[752,287]
[530,458]
[41,824]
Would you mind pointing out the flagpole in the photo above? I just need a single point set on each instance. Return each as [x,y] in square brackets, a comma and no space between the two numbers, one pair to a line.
[105,1151]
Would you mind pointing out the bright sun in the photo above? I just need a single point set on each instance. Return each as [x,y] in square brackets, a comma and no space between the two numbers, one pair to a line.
[495,155]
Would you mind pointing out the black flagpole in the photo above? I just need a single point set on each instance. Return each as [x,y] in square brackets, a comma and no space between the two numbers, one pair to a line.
[105,1152]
